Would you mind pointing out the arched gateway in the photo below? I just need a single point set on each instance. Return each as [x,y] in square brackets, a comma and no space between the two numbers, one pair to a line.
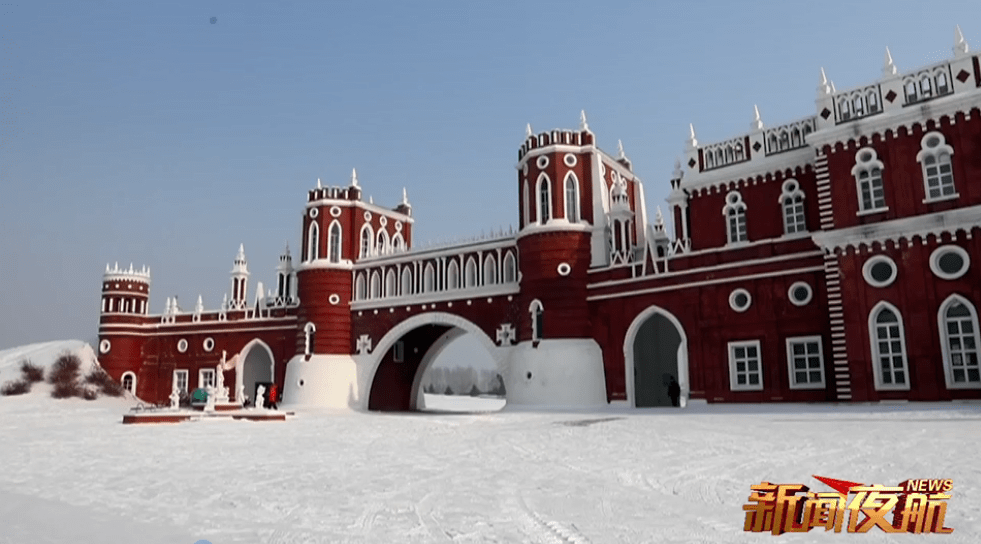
[256,364]
[406,351]
[655,349]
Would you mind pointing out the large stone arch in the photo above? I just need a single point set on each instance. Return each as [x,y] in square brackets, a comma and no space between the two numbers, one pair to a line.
[628,351]
[250,369]
[456,326]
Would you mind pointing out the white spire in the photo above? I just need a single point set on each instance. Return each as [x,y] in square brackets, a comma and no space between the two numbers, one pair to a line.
[318,184]
[757,123]
[621,154]
[354,177]
[583,125]
[960,44]
[528,131]
[824,87]
[405,197]
[659,218]
[167,310]
[107,268]
[199,307]
[677,169]
[888,68]
[692,141]
[371,199]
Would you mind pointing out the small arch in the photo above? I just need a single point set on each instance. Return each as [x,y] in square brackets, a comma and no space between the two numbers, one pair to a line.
[308,338]
[537,311]
[359,287]
[887,338]
[490,270]
[334,245]
[313,242]
[572,198]
[470,274]
[735,214]
[407,281]
[453,275]
[366,237]
[792,202]
[375,285]
[544,193]
[398,243]
[957,320]
[390,283]
[510,268]
[382,245]
[428,279]
[128,380]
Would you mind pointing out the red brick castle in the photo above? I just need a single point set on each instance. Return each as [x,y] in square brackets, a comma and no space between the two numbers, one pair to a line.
[834,258]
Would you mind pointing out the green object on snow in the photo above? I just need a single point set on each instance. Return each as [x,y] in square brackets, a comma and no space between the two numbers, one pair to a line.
[199,395]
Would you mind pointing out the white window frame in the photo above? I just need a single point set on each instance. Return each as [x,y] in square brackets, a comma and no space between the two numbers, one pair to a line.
[737,230]
[880,385]
[794,287]
[308,331]
[945,342]
[382,244]
[375,289]
[535,308]
[936,153]
[203,381]
[872,261]
[122,381]
[452,275]
[470,279]
[406,281]
[527,203]
[794,213]
[939,252]
[367,241]
[334,243]
[733,361]
[867,162]
[791,367]
[391,283]
[359,287]
[572,197]
[510,268]
[176,380]
[732,299]
[313,241]
[428,278]
[543,193]
[490,270]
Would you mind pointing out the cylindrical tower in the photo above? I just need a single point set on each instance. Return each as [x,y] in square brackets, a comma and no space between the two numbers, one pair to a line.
[125,303]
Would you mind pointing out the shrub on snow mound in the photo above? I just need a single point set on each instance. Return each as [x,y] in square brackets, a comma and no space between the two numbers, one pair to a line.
[32,373]
[105,384]
[19,387]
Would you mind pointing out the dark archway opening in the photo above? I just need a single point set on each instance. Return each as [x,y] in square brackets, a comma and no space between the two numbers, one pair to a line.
[655,361]
[256,368]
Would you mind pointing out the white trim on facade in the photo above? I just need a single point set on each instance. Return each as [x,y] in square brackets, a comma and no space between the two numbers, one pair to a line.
[960,347]
[891,335]
[808,356]
[748,353]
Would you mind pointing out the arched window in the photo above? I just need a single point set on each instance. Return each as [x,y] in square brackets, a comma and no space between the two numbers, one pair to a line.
[470,274]
[526,202]
[390,283]
[490,270]
[735,213]
[382,243]
[544,199]
[406,281]
[335,242]
[938,175]
[888,342]
[537,320]
[910,87]
[510,269]
[428,279]
[453,275]
[572,198]
[366,237]
[308,337]
[792,200]
[313,242]
[129,382]
[958,321]
[375,285]
[774,147]
[398,244]
[359,287]
[868,176]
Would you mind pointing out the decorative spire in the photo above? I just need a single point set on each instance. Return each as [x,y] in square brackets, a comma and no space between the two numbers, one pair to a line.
[677,169]
[692,141]
[888,68]
[757,123]
[960,44]
[318,184]
[583,125]
[620,153]
[354,177]
[405,197]
[199,307]
[824,88]
[167,309]
[528,131]
[371,199]
[659,219]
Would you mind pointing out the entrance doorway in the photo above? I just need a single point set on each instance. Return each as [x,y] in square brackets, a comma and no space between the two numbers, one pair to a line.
[257,367]
[658,350]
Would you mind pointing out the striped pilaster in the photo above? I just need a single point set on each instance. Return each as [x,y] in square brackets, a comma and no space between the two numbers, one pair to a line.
[832,274]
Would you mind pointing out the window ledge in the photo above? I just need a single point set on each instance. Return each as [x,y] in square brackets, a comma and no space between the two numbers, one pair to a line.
[796,235]
[957,386]
[872,211]
[808,386]
[954,196]
[738,389]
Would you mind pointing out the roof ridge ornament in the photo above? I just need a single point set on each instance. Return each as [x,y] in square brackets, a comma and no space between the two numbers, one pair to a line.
[692,141]
[825,87]
[888,68]
[620,153]
[960,44]
[354,177]
[757,123]
[528,131]
[583,125]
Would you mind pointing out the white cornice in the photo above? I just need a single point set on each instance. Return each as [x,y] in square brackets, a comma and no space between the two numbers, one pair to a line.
[768,164]
[159,329]
[554,148]
[363,205]
[908,228]
[906,116]
[554,225]
[345,264]
[475,294]
[732,279]
[425,254]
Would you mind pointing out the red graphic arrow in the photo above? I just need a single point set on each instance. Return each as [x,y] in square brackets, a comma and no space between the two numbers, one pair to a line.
[841,486]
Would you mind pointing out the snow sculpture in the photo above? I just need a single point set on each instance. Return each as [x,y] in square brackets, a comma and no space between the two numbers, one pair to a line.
[260,399]
[240,395]
[175,398]
[210,404]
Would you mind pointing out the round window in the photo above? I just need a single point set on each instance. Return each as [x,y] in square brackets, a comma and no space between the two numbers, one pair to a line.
[209,344]
[104,346]
[739,300]
[313,213]
[570,159]
[800,293]
[950,262]
[564,269]
[182,345]
[542,162]
[334,299]
[879,271]
[335,211]
[367,216]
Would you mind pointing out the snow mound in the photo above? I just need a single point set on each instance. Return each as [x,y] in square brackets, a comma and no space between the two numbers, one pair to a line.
[44,355]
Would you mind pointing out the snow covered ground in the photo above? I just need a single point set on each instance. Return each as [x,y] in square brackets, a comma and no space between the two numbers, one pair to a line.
[70,472]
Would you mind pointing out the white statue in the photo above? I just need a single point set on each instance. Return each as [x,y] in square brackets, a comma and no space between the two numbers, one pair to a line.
[220,376]
[175,398]
[210,405]
[240,395]
[223,396]
[260,399]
